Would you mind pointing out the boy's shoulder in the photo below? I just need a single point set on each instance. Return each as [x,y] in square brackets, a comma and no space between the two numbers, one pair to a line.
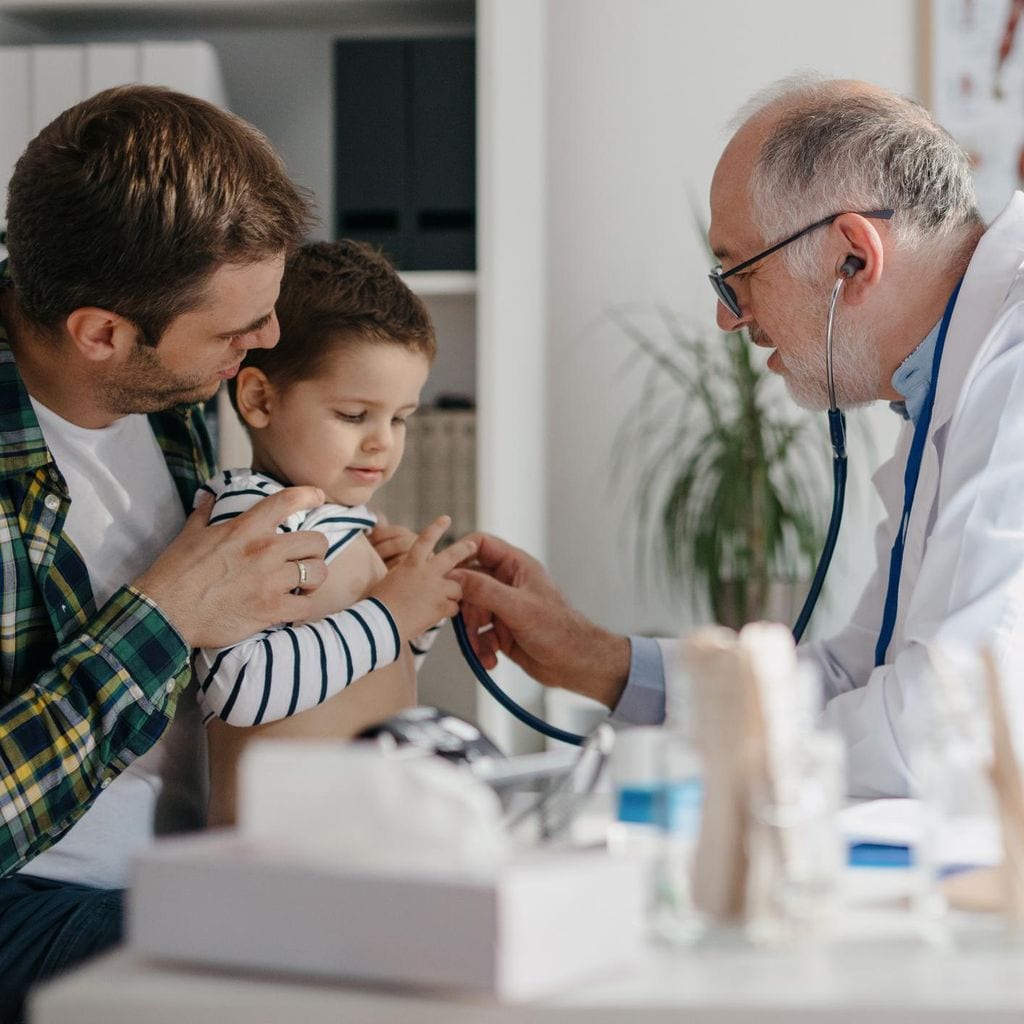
[240,481]
[236,490]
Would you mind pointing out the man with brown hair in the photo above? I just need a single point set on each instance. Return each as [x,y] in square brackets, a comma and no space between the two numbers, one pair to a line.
[147,233]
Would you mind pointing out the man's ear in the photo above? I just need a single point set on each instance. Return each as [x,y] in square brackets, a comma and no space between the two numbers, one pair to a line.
[862,250]
[254,396]
[98,334]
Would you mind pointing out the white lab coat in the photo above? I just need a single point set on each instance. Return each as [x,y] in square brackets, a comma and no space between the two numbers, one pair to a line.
[962,585]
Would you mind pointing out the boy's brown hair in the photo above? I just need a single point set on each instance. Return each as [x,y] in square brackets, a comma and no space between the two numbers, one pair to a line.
[335,294]
[131,199]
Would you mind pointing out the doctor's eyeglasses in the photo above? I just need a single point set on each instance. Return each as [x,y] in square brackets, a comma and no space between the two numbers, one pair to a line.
[726,294]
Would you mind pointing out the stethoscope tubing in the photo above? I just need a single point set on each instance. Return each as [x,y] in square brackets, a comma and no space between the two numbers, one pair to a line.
[837,437]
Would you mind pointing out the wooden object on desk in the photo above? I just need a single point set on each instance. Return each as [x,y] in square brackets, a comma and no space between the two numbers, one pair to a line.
[1009,789]
[731,735]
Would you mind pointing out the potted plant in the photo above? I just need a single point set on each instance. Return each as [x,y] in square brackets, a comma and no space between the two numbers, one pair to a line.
[731,477]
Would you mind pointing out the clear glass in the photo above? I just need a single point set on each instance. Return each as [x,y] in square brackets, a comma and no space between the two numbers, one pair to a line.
[797,850]
[972,801]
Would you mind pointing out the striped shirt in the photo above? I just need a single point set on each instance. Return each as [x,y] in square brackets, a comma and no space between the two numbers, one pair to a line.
[84,690]
[293,667]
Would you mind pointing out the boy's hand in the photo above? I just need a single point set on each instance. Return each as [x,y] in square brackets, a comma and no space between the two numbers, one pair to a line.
[391,542]
[417,591]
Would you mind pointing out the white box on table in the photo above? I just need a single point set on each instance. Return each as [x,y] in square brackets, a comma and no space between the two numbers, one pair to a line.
[544,921]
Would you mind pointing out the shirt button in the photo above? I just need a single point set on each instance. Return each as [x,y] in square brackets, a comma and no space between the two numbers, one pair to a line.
[169,686]
[105,782]
[52,502]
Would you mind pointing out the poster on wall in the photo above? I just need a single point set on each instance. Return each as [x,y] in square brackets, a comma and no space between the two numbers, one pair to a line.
[976,87]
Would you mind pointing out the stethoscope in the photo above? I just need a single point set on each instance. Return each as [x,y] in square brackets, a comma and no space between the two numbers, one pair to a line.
[837,436]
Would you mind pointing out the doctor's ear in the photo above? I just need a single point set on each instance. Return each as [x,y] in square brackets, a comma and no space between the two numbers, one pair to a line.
[862,256]
[254,396]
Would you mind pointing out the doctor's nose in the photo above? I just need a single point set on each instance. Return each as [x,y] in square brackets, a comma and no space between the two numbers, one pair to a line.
[727,321]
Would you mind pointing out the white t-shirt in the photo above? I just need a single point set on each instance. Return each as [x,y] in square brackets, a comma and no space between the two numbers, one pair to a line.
[124,511]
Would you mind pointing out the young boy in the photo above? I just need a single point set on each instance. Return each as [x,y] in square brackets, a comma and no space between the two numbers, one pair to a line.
[327,407]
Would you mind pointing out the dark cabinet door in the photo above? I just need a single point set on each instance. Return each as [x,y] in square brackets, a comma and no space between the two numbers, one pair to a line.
[370,143]
[405,149]
[443,165]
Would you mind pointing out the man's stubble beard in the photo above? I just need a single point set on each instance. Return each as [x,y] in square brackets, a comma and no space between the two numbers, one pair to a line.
[145,385]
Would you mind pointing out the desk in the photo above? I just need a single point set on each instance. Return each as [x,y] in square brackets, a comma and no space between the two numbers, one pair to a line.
[876,983]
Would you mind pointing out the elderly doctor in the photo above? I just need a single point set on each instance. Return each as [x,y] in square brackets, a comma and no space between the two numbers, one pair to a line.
[930,319]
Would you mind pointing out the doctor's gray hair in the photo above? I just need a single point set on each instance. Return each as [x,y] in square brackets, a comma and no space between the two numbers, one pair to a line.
[837,148]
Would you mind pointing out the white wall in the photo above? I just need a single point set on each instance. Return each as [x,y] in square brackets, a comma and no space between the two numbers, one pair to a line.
[639,96]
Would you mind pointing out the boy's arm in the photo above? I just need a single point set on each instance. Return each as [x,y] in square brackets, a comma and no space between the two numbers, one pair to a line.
[288,669]
[295,667]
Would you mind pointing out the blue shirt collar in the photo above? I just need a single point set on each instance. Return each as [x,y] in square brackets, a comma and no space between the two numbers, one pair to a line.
[913,378]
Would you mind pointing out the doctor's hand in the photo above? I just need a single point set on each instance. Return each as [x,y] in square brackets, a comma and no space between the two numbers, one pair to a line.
[512,599]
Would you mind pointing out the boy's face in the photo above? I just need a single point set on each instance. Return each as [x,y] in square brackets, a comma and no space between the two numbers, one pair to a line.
[344,430]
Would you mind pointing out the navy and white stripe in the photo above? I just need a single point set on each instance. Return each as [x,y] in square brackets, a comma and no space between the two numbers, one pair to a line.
[291,668]
[421,644]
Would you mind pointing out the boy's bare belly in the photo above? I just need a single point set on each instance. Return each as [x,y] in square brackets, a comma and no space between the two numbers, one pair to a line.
[374,697]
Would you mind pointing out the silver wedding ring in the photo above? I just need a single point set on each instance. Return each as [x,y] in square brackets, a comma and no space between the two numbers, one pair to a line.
[303,575]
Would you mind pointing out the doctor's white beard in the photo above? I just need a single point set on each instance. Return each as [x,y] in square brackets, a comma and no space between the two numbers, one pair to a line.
[855,363]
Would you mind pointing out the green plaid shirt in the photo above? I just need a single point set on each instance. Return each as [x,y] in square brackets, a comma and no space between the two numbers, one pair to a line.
[83,690]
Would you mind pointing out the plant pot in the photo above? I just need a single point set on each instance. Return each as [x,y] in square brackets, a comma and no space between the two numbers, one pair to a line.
[738,602]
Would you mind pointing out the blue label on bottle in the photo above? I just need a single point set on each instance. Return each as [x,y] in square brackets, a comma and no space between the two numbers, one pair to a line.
[672,806]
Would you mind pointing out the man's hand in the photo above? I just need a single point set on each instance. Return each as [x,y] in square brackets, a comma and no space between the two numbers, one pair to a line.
[418,591]
[220,584]
[391,542]
[509,596]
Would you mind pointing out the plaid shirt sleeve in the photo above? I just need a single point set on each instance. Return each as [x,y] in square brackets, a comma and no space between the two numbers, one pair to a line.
[110,693]
[83,692]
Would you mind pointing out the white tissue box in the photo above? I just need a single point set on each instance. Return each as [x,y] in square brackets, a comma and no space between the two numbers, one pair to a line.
[538,924]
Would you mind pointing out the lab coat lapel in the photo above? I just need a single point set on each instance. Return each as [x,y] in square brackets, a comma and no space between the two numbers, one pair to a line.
[990,275]
[992,271]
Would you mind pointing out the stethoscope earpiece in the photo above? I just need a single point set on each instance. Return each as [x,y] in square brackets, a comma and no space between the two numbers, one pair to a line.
[850,266]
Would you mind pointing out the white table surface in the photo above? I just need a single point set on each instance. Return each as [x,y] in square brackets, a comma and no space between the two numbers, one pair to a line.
[886,982]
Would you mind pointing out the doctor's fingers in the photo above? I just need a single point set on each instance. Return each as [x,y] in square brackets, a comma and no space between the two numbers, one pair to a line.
[479,625]
[505,561]
[499,599]
[475,617]
[503,639]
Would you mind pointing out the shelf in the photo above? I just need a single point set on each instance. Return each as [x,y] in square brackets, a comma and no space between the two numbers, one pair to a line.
[371,15]
[428,283]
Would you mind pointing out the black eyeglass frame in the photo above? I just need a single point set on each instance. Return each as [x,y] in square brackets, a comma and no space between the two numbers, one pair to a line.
[726,294]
